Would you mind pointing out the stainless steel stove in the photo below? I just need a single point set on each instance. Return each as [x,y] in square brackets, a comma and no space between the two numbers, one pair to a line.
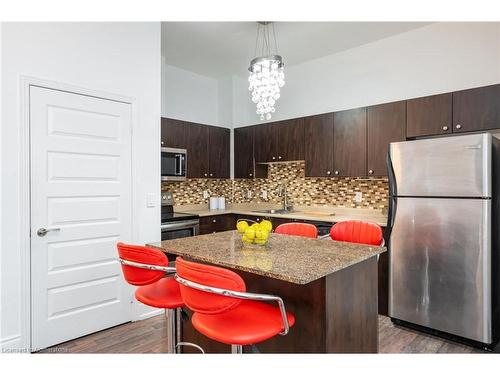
[176,224]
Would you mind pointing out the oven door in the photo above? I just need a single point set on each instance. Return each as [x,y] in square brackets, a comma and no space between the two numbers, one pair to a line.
[179,229]
[173,164]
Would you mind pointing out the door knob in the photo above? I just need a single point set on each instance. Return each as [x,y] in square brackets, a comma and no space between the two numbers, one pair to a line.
[42,231]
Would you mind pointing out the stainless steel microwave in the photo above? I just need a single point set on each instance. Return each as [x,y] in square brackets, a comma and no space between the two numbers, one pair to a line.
[173,164]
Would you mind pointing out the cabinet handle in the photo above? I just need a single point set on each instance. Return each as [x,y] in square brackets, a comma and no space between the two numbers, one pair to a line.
[214,220]
[370,171]
[211,175]
[336,172]
[279,157]
[206,175]
[445,128]
[458,126]
[162,142]
[250,174]
[274,157]
[328,172]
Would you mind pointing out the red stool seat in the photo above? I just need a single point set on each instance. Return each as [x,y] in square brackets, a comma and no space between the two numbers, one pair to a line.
[297,229]
[249,323]
[357,232]
[164,294]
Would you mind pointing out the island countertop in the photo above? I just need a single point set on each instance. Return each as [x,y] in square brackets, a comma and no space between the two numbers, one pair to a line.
[294,259]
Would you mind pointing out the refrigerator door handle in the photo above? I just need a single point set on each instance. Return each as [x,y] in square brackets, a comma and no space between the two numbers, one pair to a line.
[391,213]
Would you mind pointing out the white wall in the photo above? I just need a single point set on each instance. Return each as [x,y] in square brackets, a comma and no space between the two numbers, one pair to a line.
[120,58]
[189,96]
[438,58]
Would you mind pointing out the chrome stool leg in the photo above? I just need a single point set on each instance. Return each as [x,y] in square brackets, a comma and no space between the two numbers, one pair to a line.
[236,349]
[170,316]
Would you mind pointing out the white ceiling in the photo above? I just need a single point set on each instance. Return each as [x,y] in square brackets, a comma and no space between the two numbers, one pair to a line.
[218,49]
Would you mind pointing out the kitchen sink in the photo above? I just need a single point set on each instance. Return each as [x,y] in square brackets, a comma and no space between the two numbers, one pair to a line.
[276,211]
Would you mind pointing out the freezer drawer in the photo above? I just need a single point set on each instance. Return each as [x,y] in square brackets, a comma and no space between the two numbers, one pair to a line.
[457,166]
[440,265]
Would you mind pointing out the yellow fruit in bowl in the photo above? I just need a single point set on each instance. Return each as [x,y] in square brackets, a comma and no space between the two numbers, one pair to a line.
[250,233]
[260,242]
[267,225]
[247,240]
[254,225]
[241,226]
[261,234]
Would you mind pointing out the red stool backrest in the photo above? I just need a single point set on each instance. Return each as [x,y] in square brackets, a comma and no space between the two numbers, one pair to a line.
[141,254]
[206,302]
[297,229]
[357,232]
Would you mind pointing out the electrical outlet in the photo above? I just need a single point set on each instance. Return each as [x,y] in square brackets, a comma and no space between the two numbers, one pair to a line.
[206,194]
[358,197]
[264,194]
[249,194]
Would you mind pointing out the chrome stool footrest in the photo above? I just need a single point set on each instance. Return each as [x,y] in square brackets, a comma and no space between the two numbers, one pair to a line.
[183,343]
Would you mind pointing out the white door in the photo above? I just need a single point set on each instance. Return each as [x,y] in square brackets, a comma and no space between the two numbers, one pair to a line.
[81,194]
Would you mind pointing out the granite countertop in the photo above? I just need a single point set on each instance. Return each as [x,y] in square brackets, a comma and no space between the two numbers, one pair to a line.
[329,215]
[298,260]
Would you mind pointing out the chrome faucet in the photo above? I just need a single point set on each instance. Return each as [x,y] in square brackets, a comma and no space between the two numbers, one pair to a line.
[282,192]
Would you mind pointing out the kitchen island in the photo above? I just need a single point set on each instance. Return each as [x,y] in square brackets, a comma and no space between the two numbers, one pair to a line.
[330,287]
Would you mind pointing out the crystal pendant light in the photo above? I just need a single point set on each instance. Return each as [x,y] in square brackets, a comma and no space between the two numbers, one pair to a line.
[266,72]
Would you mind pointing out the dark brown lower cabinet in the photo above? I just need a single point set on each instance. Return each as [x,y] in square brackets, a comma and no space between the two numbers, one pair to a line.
[217,223]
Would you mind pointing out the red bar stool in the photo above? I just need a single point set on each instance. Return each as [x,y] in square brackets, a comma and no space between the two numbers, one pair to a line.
[357,232]
[224,312]
[147,268]
[298,229]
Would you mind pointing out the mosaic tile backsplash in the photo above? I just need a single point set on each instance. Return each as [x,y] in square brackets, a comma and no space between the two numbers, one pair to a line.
[302,191]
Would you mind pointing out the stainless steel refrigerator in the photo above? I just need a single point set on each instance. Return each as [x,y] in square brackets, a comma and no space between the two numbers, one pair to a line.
[443,247]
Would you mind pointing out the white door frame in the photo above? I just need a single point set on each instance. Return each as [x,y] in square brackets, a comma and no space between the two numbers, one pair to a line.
[25,181]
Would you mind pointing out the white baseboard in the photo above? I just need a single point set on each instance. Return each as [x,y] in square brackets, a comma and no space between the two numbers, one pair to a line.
[149,314]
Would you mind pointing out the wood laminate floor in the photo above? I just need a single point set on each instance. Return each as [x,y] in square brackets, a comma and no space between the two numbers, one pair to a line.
[149,336]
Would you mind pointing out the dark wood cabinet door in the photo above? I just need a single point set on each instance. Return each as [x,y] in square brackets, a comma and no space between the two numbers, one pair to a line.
[476,109]
[290,140]
[243,152]
[318,153]
[217,223]
[266,142]
[219,140]
[429,115]
[386,123]
[349,142]
[197,157]
[173,133]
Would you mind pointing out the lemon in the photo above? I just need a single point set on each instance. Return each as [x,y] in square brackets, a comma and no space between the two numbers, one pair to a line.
[260,242]
[267,225]
[241,226]
[247,240]
[261,234]
[254,225]
[250,233]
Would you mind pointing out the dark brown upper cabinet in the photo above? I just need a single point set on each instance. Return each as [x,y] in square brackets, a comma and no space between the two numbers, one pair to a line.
[244,162]
[476,109]
[290,140]
[173,133]
[197,151]
[279,141]
[266,142]
[429,115]
[318,136]
[219,140]
[386,123]
[349,142]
